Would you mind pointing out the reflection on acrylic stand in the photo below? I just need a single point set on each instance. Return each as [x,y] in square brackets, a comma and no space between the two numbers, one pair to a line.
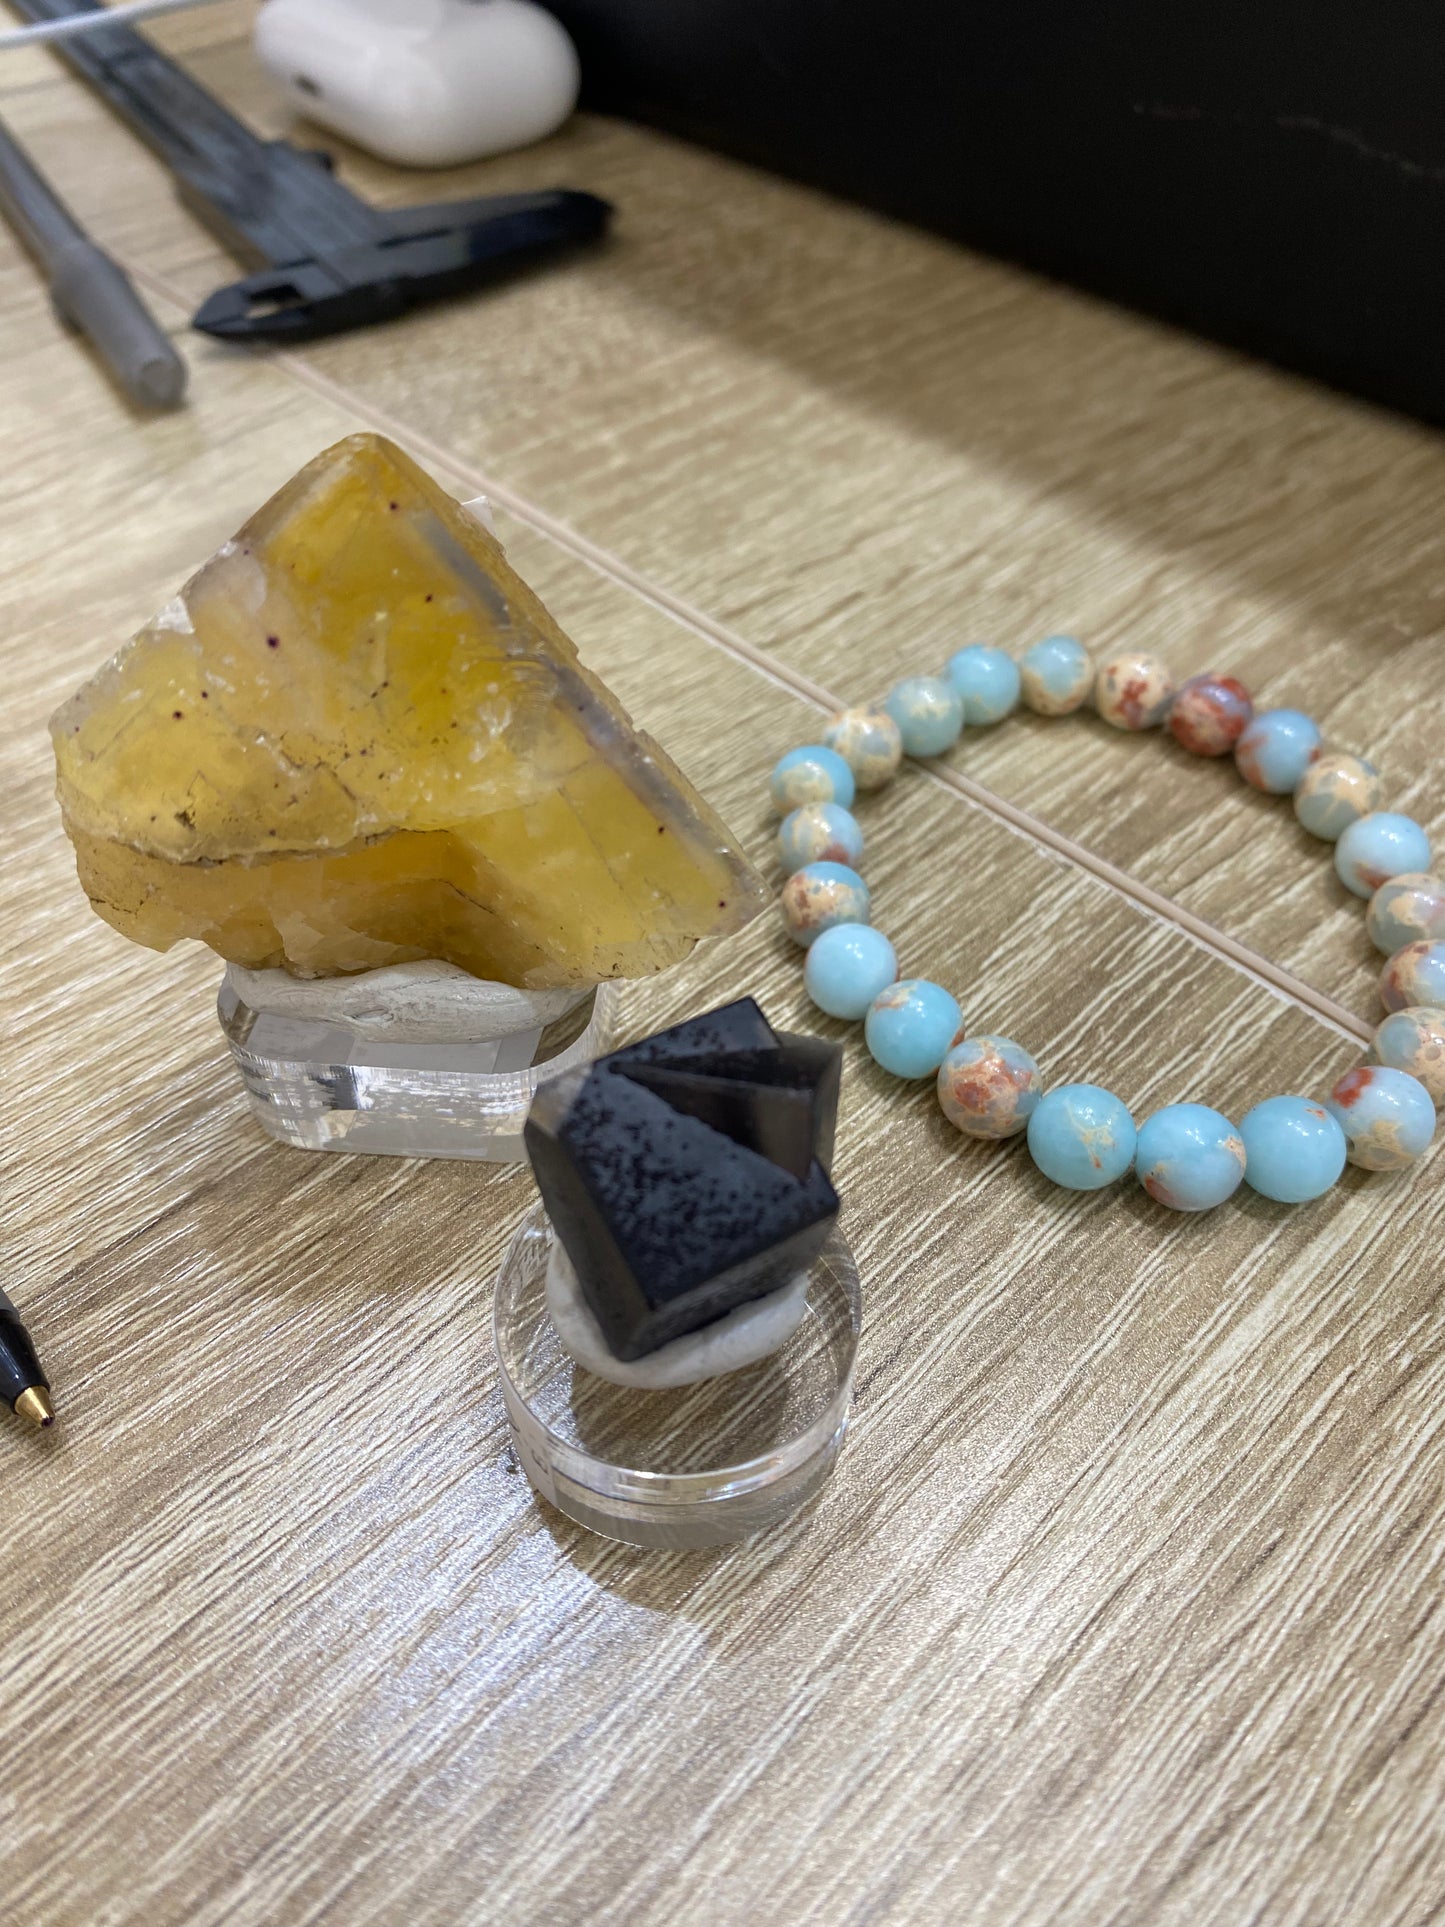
[335,1085]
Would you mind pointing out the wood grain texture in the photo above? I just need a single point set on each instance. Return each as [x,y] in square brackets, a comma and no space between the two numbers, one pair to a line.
[1122,1608]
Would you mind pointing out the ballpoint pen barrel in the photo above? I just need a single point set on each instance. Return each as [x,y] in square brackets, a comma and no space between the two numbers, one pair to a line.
[95,295]
[20,1369]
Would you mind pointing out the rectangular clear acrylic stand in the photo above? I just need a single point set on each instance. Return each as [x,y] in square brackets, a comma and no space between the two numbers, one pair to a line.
[327,1086]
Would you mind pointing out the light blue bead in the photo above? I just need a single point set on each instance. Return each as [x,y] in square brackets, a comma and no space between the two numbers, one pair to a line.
[1387,1116]
[819,833]
[1057,676]
[929,713]
[912,1026]
[812,774]
[987,680]
[1379,847]
[848,966]
[1082,1137]
[1294,1150]
[1189,1157]
[820,896]
[1276,750]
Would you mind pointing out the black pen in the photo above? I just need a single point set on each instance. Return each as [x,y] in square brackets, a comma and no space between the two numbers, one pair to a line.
[23,1386]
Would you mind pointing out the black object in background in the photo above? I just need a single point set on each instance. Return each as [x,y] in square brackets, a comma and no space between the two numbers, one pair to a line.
[331,260]
[1269,172]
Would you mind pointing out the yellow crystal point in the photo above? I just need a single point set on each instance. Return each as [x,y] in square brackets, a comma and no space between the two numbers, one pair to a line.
[357,738]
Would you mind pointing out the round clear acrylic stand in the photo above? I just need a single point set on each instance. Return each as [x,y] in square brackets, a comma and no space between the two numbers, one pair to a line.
[699,1466]
[327,1086]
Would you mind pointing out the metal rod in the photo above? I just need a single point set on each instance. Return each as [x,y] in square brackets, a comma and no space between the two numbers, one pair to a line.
[90,290]
[88,22]
[30,204]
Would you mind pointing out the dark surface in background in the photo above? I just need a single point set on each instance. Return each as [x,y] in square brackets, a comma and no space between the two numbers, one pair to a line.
[1270,172]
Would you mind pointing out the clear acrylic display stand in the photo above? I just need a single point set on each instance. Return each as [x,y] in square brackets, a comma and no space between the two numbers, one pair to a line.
[697,1466]
[324,1086]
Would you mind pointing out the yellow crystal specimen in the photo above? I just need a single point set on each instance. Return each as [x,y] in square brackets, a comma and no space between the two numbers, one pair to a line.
[357,738]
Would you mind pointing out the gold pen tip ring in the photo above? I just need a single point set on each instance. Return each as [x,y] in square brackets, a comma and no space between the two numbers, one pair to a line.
[34,1406]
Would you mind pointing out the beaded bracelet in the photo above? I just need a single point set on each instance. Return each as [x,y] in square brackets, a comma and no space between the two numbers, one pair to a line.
[1381,1115]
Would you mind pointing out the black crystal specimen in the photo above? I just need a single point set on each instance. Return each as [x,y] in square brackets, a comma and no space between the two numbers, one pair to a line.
[687,1174]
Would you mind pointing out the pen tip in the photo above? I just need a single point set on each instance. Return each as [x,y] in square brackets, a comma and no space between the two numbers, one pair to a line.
[34,1406]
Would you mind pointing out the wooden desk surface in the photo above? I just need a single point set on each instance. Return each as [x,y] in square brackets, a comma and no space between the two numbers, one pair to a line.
[1124,1605]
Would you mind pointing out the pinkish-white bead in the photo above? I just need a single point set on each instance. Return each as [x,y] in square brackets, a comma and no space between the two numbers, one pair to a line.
[1414,978]
[1134,691]
[1334,792]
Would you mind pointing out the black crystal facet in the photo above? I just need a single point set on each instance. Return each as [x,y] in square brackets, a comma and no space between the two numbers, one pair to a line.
[738,1026]
[814,1057]
[687,1175]
[760,1099]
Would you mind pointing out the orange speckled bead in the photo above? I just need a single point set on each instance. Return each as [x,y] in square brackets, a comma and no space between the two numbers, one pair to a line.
[821,895]
[1210,714]
[989,1087]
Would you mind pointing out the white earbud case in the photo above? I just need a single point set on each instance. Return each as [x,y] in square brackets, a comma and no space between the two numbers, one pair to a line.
[424,83]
